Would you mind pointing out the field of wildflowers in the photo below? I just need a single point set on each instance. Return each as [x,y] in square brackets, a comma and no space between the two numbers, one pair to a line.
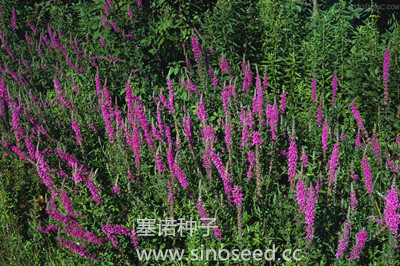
[108,148]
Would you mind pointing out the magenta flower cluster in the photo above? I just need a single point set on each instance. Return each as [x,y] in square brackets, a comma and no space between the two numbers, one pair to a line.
[357,116]
[367,175]
[310,212]
[344,240]
[292,158]
[361,239]
[391,210]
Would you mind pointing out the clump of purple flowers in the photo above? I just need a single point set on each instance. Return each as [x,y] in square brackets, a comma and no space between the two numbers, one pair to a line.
[115,189]
[325,136]
[292,154]
[313,90]
[376,147]
[304,158]
[237,196]
[386,64]
[367,175]
[310,212]
[77,131]
[361,239]
[344,240]
[357,116]
[391,209]
[334,89]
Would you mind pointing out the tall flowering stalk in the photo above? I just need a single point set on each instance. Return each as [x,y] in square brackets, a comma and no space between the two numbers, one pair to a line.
[181,175]
[223,172]
[292,158]
[103,42]
[105,6]
[107,121]
[187,128]
[245,128]
[201,111]
[188,131]
[115,189]
[191,87]
[310,212]
[251,159]
[77,248]
[208,136]
[357,116]
[313,90]
[304,158]
[334,89]
[78,135]
[391,209]
[105,103]
[197,52]
[31,149]
[159,162]
[320,115]
[325,137]
[109,2]
[67,203]
[19,131]
[31,26]
[376,147]
[79,175]
[257,141]
[111,230]
[344,239]
[114,26]
[247,76]
[272,114]
[358,143]
[367,175]
[392,165]
[283,102]
[4,93]
[13,20]
[43,171]
[134,140]
[94,191]
[225,99]
[130,14]
[138,106]
[386,64]
[171,96]
[301,194]
[104,21]
[204,218]
[333,162]
[265,82]
[361,239]
[189,67]
[215,81]
[237,198]
[353,199]
[258,99]
[224,65]
[228,133]
[171,196]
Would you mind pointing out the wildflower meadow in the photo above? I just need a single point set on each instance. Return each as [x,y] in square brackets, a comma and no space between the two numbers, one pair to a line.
[199,132]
